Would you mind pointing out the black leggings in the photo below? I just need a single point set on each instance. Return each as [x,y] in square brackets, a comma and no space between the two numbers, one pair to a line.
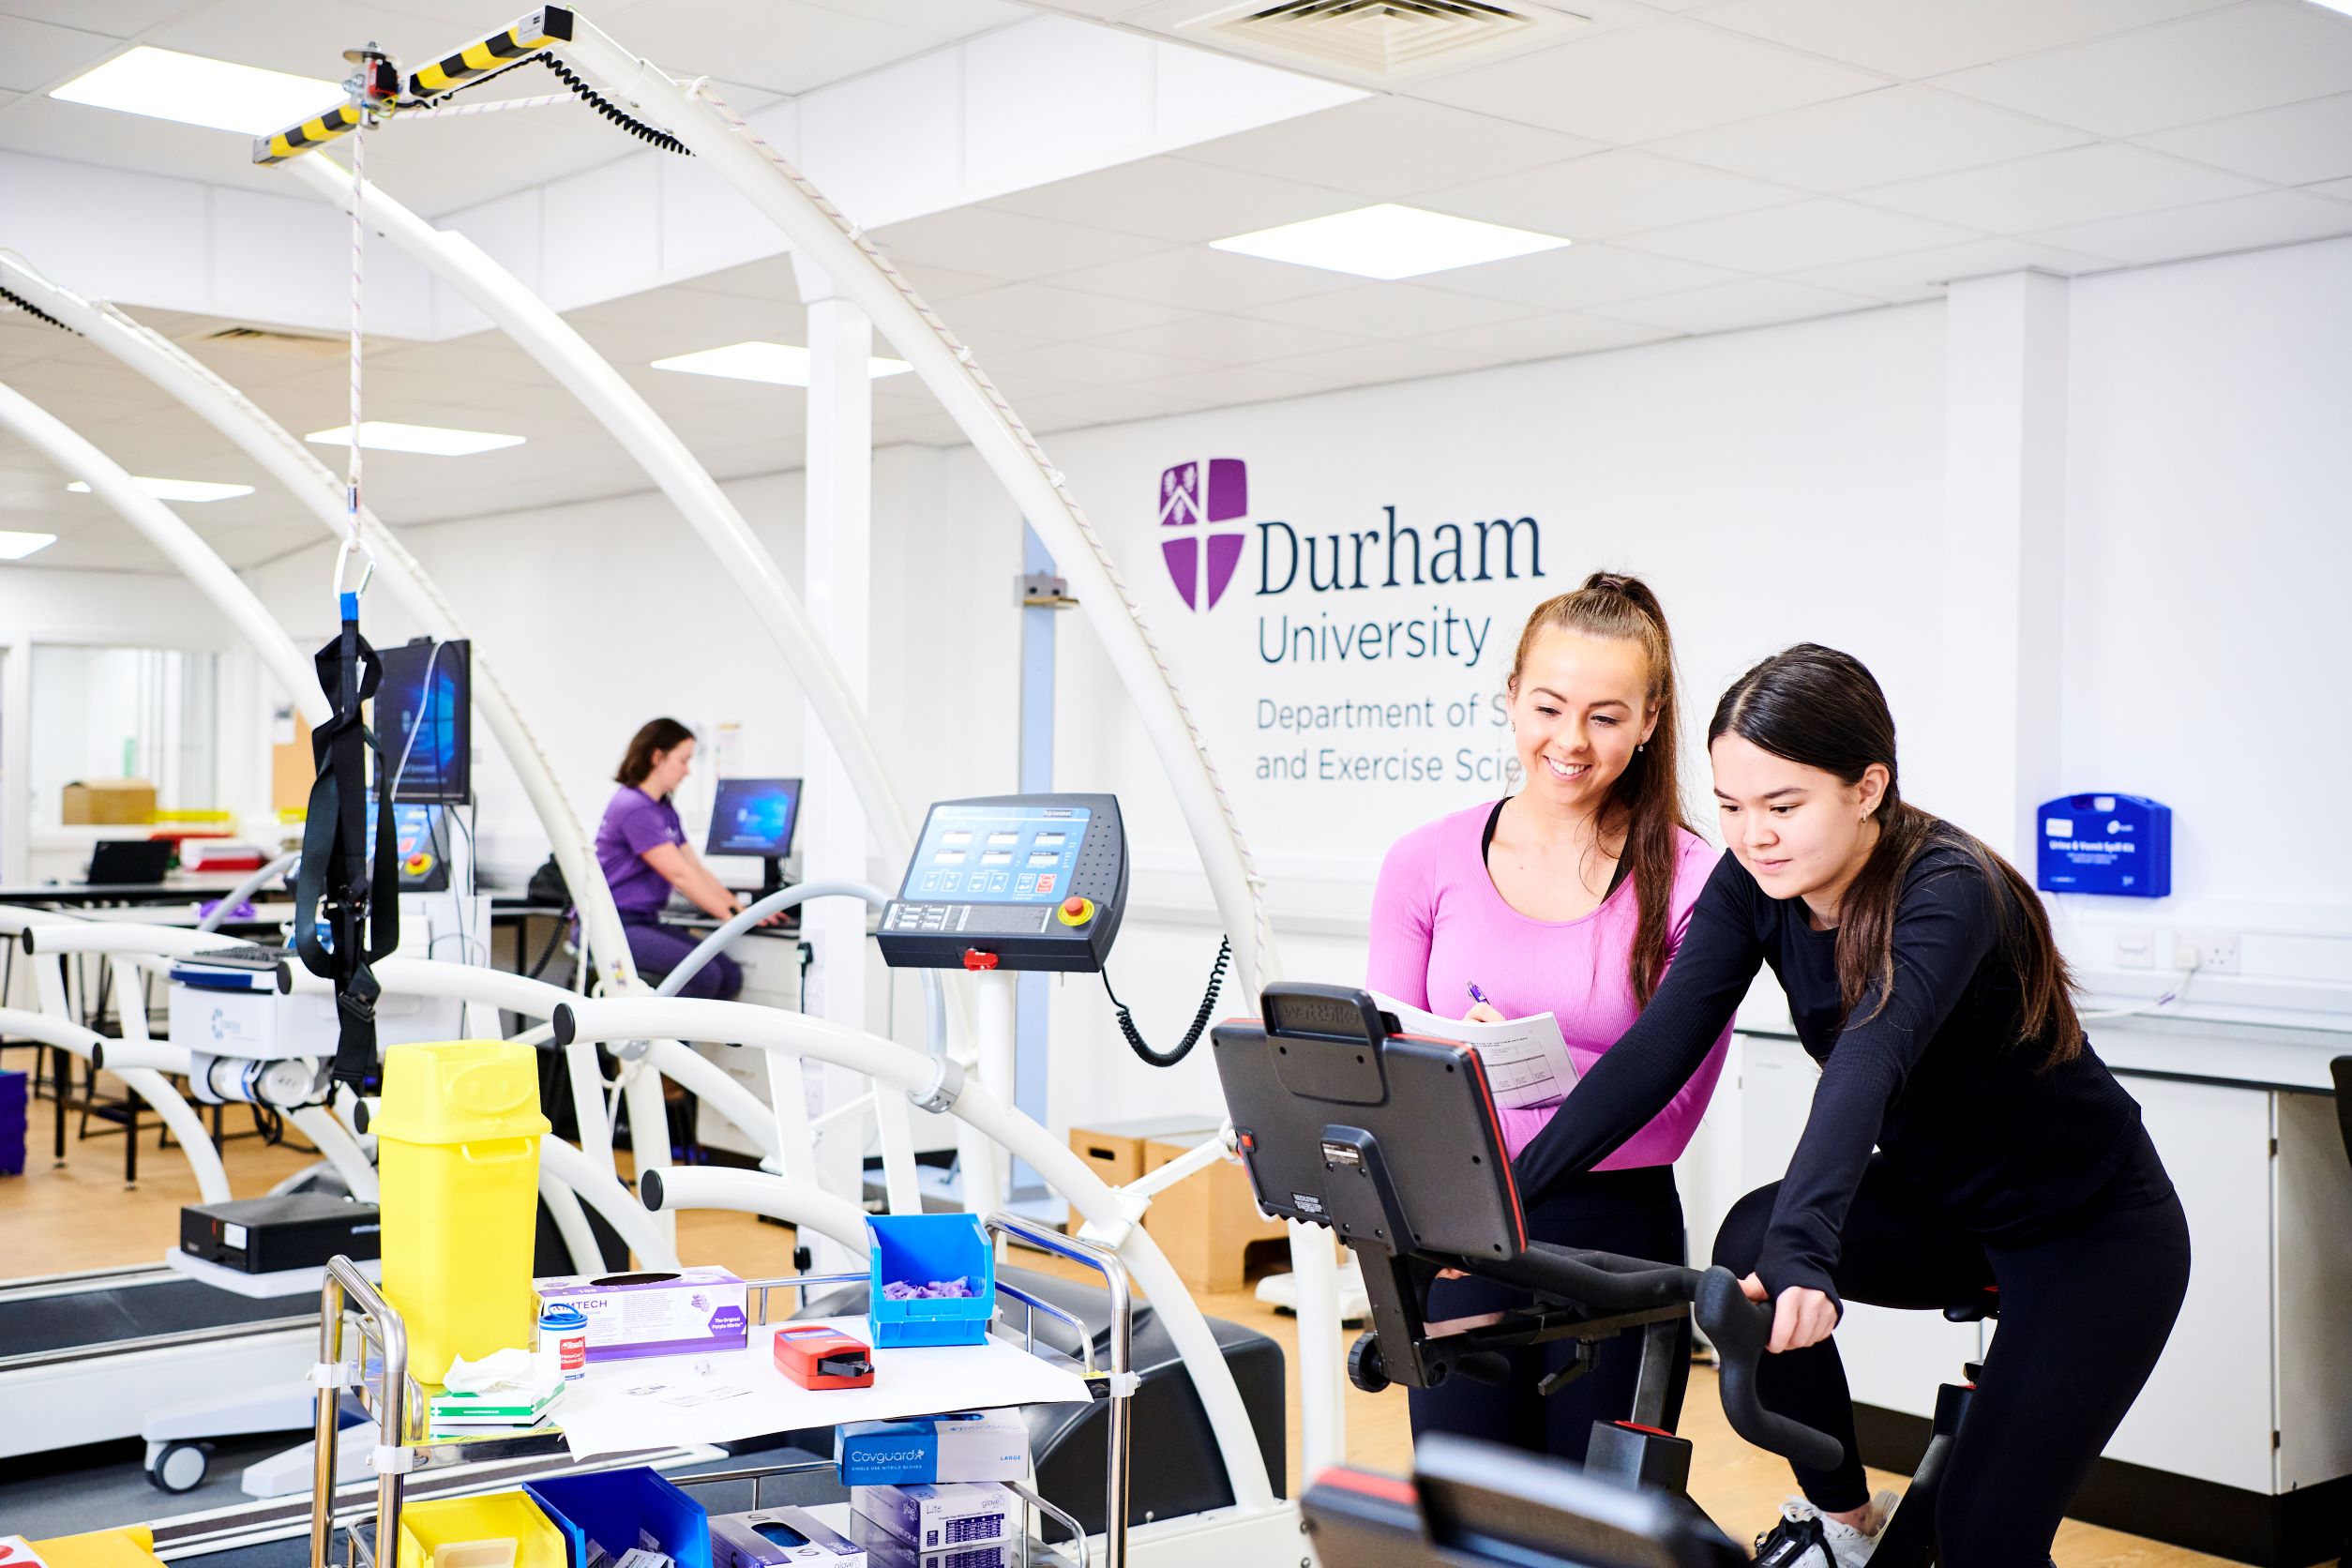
[2085,1313]
[1634,1211]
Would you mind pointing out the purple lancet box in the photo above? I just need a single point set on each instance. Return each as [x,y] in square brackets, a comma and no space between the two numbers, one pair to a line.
[688,1312]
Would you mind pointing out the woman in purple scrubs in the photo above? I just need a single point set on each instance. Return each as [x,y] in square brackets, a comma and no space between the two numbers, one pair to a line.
[644,854]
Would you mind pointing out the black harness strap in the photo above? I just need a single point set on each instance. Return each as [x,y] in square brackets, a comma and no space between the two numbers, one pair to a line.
[336,881]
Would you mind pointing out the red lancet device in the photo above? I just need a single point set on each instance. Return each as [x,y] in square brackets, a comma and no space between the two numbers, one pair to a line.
[819,1357]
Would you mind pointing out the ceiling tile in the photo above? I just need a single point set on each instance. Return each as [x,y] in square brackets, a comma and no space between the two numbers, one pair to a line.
[1386,147]
[1639,83]
[33,54]
[1549,336]
[1368,363]
[1608,193]
[2297,145]
[1391,311]
[1727,307]
[784,46]
[1243,384]
[1895,133]
[1010,245]
[1094,365]
[1199,279]
[1580,276]
[936,283]
[1169,199]
[2077,186]
[1097,405]
[2245,57]
[1230,340]
[1923,274]
[118,18]
[2242,223]
[1819,232]
[1927,37]
[2340,189]
[1058,314]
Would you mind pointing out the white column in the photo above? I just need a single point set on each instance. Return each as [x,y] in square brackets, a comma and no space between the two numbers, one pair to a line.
[839,594]
[2004,555]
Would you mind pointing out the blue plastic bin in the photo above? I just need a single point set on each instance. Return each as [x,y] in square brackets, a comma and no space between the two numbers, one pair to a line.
[612,1508]
[11,1123]
[920,1249]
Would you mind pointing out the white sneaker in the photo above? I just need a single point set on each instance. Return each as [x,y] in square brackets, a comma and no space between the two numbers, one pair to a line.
[1807,1538]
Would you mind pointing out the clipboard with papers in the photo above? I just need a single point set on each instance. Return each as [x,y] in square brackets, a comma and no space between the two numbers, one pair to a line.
[1526,1059]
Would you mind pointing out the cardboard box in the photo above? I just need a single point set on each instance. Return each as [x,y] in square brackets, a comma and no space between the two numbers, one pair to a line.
[107,802]
[1114,1150]
[1208,1223]
[690,1312]
[978,1445]
[938,1517]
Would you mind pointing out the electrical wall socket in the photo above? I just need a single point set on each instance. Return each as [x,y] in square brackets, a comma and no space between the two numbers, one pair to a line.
[2207,951]
[2136,948]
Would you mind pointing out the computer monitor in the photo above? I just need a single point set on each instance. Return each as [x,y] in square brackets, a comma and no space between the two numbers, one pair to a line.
[418,837]
[427,732]
[130,862]
[755,816]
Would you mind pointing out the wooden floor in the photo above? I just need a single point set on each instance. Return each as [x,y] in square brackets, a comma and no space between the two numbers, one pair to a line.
[55,1220]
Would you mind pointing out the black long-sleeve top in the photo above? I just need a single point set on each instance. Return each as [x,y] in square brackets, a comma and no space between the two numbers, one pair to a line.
[1938,1078]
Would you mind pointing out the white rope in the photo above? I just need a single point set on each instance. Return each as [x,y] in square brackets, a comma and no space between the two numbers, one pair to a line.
[494,106]
[964,356]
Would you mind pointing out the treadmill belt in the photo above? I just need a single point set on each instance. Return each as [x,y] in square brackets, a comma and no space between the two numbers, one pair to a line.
[105,1316]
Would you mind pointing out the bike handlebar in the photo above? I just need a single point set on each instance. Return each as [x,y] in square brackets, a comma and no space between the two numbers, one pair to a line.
[1604,1283]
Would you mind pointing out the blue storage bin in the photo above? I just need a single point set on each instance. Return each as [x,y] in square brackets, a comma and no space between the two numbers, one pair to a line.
[612,1508]
[920,1249]
[11,1123]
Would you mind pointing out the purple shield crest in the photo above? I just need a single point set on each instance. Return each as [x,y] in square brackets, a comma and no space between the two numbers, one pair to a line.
[1197,494]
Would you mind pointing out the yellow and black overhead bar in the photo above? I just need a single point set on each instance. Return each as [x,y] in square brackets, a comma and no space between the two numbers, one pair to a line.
[377,82]
[551,24]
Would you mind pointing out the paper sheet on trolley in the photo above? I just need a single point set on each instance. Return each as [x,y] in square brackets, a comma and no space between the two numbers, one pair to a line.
[1526,1059]
[623,1406]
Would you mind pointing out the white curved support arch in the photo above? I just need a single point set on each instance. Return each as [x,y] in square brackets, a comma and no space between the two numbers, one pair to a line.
[340,1151]
[162,528]
[819,234]
[894,1068]
[212,1182]
[527,319]
[603,1191]
[213,400]
[802,1205]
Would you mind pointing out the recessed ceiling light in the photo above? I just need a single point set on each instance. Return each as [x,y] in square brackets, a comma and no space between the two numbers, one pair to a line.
[1389,241]
[383,435]
[16,547]
[2344,5]
[177,489]
[779,364]
[165,85]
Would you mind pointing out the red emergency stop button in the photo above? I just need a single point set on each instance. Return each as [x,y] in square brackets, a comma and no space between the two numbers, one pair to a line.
[1076,911]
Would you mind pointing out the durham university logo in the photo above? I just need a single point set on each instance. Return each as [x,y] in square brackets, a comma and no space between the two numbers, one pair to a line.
[1201,562]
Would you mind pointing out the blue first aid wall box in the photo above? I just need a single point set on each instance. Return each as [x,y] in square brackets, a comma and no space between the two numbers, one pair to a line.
[2120,845]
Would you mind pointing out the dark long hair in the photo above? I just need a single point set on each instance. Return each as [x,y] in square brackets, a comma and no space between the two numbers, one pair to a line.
[1822,709]
[1647,798]
[656,735]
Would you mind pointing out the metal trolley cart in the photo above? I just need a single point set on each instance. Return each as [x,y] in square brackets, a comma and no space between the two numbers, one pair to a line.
[403,1447]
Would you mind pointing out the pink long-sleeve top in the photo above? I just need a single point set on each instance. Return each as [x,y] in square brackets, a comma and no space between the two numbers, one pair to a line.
[1438,925]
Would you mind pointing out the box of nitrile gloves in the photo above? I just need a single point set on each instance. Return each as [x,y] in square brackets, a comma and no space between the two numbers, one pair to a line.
[976,1445]
[933,1518]
[685,1312]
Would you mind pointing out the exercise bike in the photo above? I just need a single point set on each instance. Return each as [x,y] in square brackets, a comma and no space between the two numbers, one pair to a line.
[1391,1140]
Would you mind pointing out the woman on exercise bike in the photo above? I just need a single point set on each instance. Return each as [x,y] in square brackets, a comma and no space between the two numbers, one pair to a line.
[1922,977]
[1570,897]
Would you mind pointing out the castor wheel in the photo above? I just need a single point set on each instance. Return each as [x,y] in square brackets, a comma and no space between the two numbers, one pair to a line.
[1365,1369]
[179,1467]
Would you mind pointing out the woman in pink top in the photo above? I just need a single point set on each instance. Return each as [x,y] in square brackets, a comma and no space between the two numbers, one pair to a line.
[1568,898]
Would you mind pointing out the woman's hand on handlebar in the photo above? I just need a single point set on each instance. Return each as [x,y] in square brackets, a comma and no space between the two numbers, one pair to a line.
[1802,1317]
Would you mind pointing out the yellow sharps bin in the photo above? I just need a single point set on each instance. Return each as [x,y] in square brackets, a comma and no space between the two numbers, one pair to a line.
[457,1157]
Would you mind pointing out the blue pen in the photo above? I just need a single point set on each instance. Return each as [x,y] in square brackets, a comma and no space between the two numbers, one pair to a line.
[1480,997]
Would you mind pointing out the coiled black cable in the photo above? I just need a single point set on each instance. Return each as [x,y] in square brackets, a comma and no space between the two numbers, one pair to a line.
[1199,1019]
[582,91]
[655,135]
[34,310]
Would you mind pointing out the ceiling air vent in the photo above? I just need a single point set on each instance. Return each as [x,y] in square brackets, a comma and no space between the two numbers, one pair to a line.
[1380,41]
[261,340]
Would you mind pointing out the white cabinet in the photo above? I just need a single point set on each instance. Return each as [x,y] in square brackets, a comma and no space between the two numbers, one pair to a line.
[2207,1411]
